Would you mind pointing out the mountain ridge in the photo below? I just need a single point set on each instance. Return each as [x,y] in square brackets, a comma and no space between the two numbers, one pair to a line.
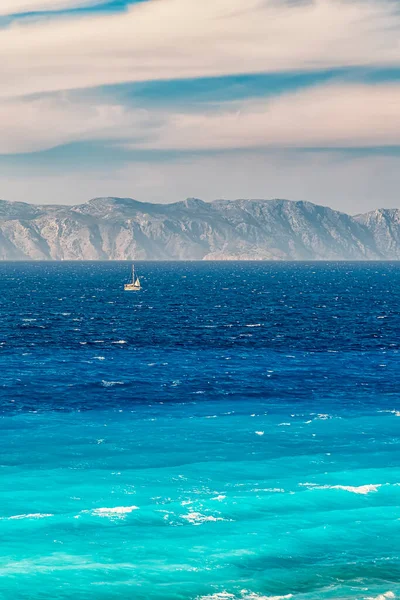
[112,228]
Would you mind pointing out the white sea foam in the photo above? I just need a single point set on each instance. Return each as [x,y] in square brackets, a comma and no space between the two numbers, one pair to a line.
[120,342]
[259,432]
[384,596]
[27,516]
[252,596]
[196,518]
[111,383]
[219,498]
[217,596]
[269,490]
[117,512]
[245,595]
[360,489]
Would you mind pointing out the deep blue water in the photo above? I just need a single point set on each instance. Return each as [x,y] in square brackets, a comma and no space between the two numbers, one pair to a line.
[229,433]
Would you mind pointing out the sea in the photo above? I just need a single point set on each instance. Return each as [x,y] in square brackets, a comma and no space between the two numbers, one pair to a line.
[231,432]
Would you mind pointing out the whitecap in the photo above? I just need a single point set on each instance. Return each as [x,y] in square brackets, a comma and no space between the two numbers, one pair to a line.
[384,596]
[259,432]
[120,342]
[244,595]
[27,516]
[360,489]
[270,490]
[217,596]
[111,383]
[392,412]
[252,596]
[117,512]
[196,518]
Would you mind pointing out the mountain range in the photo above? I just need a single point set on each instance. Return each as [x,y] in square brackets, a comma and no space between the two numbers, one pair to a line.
[125,229]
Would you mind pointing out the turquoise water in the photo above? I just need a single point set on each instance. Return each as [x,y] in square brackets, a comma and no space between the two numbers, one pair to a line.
[231,432]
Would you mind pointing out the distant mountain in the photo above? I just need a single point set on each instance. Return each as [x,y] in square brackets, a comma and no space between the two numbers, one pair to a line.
[125,229]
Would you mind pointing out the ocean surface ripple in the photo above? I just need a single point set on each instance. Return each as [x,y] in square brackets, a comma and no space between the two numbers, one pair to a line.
[231,432]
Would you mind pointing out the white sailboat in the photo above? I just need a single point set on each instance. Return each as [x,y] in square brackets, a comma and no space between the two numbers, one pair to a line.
[134,286]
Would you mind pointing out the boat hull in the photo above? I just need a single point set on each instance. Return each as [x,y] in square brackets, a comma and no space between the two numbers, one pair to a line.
[131,287]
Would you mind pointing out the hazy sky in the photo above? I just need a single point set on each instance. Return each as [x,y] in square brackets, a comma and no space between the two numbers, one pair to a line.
[164,99]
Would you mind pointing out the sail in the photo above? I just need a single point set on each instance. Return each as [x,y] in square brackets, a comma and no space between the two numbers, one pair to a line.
[133,285]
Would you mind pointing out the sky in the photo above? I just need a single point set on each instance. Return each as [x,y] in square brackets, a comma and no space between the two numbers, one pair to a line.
[160,100]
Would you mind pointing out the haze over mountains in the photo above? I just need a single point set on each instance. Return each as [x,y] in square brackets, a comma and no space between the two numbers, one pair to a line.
[125,229]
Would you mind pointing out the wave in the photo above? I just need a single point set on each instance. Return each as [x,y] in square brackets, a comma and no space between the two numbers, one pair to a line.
[252,596]
[270,490]
[360,489]
[27,516]
[217,596]
[392,412]
[196,518]
[246,595]
[117,512]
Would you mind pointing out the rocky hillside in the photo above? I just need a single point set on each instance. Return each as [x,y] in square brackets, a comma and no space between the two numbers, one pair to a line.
[124,229]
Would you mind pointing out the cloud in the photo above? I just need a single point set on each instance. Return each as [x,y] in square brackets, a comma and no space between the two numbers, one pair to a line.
[324,116]
[31,125]
[14,7]
[330,115]
[171,39]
